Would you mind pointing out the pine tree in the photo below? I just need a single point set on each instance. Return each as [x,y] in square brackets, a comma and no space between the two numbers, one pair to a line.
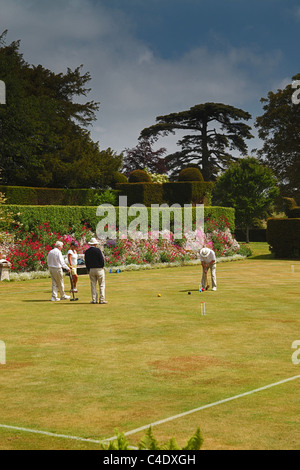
[214,130]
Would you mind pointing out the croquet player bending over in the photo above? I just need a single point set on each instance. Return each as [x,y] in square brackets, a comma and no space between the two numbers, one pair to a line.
[56,264]
[208,261]
[94,261]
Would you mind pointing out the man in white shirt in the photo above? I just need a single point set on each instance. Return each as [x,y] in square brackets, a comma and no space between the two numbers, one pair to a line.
[208,261]
[56,264]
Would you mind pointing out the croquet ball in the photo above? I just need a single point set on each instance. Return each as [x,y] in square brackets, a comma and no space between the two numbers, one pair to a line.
[159,295]
[203,290]
[189,293]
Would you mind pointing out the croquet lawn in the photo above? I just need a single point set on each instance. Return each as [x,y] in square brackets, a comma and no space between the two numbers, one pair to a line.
[90,371]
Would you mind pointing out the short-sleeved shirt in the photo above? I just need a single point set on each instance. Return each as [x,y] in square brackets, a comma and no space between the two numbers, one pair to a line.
[209,258]
[74,257]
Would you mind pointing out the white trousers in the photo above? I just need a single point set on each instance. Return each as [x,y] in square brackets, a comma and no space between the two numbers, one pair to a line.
[97,276]
[213,276]
[57,282]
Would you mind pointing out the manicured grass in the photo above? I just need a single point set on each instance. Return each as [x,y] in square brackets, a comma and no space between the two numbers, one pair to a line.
[88,370]
[260,251]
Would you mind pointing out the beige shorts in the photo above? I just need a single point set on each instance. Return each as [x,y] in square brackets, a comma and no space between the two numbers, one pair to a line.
[74,270]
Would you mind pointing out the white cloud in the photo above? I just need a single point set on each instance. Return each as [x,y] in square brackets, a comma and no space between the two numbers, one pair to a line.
[131,83]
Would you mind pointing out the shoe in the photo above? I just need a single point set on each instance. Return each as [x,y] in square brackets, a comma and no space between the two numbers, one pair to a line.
[65,297]
[53,299]
[103,302]
[214,288]
[93,302]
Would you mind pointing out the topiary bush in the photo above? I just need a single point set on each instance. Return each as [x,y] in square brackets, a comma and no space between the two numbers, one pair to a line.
[283,237]
[190,174]
[291,208]
[117,178]
[139,176]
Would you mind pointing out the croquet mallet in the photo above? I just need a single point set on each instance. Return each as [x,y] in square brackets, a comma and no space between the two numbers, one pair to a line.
[74,299]
[207,285]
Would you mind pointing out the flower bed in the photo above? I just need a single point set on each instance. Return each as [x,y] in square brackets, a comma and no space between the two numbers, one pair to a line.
[27,252]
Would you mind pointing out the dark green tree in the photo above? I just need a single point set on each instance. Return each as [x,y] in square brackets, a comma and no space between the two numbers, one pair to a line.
[249,187]
[215,131]
[279,128]
[44,140]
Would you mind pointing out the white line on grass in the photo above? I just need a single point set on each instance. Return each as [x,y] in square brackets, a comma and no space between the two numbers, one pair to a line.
[210,405]
[156,423]
[50,434]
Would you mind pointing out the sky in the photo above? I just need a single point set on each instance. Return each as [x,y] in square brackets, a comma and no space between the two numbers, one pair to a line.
[154,57]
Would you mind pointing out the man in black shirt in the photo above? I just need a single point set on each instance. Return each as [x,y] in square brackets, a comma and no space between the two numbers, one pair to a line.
[94,261]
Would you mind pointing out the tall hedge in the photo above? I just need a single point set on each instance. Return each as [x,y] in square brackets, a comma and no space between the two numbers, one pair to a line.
[283,236]
[187,192]
[48,196]
[62,217]
[141,193]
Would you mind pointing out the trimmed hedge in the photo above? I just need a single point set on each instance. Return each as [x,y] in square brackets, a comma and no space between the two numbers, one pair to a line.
[141,193]
[59,217]
[283,236]
[291,208]
[188,192]
[255,235]
[62,217]
[48,196]
[294,213]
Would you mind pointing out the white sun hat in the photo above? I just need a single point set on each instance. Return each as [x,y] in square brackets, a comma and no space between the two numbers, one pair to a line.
[93,241]
[204,252]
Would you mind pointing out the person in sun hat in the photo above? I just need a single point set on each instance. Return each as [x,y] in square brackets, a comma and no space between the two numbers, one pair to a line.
[94,261]
[208,261]
[56,264]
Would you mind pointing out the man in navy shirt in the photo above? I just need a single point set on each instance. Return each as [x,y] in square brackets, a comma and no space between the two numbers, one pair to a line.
[94,261]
